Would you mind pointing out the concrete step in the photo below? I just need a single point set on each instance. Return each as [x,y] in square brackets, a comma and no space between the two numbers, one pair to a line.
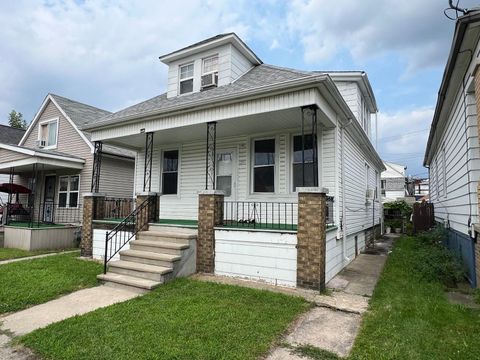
[150,258]
[172,228]
[159,246]
[170,236]
[144,271]
[128,282]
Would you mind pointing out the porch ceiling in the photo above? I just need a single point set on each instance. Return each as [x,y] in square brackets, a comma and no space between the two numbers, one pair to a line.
[245,125]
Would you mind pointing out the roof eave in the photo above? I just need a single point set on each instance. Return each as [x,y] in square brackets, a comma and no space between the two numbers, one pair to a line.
[460,28]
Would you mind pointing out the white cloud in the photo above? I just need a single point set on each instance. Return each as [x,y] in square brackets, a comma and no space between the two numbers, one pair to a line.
[418,32]
[403,137]
[104,53]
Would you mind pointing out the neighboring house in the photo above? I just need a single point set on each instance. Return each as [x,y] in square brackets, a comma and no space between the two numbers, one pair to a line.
[420,188]
[452,153]
[8,135]
[54,158]
[393,182]
[229,122]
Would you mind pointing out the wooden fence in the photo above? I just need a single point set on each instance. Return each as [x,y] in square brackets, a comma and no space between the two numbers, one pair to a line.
[423,216]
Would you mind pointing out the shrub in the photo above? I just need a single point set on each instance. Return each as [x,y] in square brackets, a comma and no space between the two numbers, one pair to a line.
[434,262]
[405,209]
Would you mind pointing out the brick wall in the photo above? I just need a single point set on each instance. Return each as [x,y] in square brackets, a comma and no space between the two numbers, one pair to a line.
[210,214]
[93,208]
[311,240]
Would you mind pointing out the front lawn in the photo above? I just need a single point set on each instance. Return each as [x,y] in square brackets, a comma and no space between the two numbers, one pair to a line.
[6,254]
[183,319]
[32,282]
[410,317]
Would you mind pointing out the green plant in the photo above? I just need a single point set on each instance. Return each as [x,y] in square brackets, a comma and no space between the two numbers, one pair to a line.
[405,209]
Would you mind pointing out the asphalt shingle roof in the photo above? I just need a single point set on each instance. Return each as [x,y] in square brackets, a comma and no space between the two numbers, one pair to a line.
[10,135]
[259,76]
[79,113]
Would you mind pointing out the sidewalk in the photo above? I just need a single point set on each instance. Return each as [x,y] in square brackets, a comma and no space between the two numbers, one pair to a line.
[334,328]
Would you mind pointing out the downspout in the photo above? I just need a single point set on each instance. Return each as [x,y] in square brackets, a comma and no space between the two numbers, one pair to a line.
[344,210]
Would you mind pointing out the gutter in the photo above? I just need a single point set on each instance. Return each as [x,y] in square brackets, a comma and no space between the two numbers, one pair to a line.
[217,100]
[460,29]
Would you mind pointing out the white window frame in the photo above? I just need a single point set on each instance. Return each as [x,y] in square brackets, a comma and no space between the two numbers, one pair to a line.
[367,174]
[46,123]
[203,64]
[180,80]
[178,170]
[68,191]
[291,158]
[253,166]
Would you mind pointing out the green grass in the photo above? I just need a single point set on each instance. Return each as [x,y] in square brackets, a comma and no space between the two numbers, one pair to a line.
[410,317]
[183,319]
[32,282]
[6,254]
[34,225]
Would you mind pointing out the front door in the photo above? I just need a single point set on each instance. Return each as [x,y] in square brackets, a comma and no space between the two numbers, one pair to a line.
[49,199]
[225,170]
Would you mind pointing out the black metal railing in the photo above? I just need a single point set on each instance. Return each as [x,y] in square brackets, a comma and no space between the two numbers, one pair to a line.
[118,208]
[44,212]
[260,215]
[121,234]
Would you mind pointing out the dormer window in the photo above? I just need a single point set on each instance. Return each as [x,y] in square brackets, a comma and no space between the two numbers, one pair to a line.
[186,78]
[210,72]
[47,133]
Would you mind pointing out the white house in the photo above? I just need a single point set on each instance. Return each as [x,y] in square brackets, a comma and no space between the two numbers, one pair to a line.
[393,182]
[229,122]
[8,135]
[452,154]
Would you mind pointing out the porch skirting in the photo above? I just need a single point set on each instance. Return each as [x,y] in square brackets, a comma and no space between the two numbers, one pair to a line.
[41,238]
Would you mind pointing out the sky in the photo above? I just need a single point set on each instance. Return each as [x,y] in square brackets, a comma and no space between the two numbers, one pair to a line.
[105,52]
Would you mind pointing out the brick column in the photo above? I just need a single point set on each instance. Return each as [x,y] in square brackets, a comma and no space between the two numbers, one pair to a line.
[311,238]
[210,214]
[93,209]
[149,212]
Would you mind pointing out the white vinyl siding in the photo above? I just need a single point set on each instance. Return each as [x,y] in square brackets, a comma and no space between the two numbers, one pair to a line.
[455,169]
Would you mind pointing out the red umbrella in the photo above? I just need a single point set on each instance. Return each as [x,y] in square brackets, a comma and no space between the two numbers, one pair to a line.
[14,189]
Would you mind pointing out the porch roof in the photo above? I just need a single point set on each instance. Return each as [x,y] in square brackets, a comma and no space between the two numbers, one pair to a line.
[22,158]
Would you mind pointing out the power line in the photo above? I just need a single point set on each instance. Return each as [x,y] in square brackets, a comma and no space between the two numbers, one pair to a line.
[404,135]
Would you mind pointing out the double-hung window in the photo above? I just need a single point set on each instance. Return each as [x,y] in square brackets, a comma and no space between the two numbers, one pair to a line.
[186,78]
[210,72]
[68,191]
[299,171]
[48,133]
[264,165]
[170,172]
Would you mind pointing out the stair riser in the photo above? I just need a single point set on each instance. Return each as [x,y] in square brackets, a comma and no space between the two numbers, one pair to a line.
[180,230]
[125,287]
[136,273]
[147,261]
[162,238]
[155,249]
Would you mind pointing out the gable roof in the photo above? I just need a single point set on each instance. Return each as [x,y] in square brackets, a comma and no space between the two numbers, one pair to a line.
[78,112]
[214,41]
[258,77]
[10,135]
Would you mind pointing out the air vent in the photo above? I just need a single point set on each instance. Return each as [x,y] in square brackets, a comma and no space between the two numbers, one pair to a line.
[209,80]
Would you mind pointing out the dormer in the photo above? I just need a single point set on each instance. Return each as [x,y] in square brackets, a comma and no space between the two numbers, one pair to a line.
[357,92]
[211,63]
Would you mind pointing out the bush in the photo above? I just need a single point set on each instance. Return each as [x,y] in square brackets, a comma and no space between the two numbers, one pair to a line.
[405,209]
[434,262]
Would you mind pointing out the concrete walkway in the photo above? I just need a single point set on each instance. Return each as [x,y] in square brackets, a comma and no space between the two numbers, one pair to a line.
[36,317]
[3,262]
[331,327]
[77,303]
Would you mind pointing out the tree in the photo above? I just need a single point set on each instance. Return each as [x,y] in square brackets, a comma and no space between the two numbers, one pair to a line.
[15,120]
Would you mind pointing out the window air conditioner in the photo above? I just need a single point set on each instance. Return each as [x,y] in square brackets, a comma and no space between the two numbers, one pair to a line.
[41,143]
[209,80]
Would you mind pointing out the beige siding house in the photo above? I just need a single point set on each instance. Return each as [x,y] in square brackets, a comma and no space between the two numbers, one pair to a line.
[54,159]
